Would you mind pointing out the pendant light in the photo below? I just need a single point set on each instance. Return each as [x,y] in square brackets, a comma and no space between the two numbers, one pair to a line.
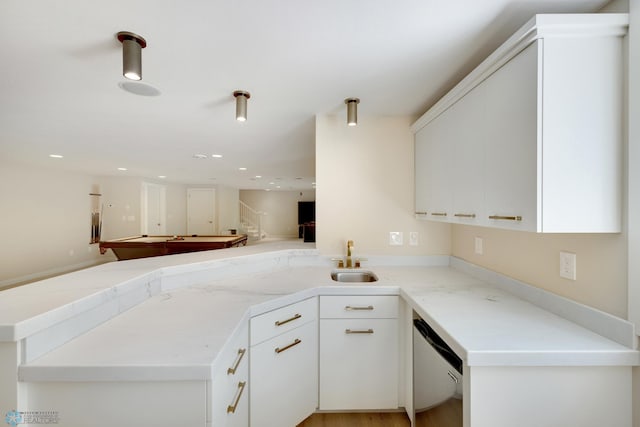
[241,104]
[132,45]
[352,111]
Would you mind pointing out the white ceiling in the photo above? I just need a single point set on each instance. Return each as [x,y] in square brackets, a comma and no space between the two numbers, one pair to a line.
[60,66]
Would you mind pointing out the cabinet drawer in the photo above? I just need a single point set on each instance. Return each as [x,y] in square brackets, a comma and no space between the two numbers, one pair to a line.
[276,322]
[284,378]
[229,386]
[359,307]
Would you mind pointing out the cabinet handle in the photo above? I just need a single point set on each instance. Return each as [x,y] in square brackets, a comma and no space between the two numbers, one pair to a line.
[506,218]
[438,213]
[282,322]
[420,213]
[287,347]
[353,308]
[241,353]
[358,331]
[232,408]
[453,377]
[465,215]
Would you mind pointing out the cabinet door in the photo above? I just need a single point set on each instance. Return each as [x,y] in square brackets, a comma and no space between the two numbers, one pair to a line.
[284,378]
[433,157]
[511,142]
[230,383]
[358,364]
[467,177]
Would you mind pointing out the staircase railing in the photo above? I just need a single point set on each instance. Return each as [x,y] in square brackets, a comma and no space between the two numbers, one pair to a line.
[251,218]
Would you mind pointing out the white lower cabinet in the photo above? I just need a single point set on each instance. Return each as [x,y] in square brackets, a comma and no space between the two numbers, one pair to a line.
[284,375]
[359,354]
[230,383]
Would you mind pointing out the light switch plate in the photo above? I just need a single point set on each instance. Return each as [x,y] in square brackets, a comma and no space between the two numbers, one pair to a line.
[568,265]
[395,238]
[413,238]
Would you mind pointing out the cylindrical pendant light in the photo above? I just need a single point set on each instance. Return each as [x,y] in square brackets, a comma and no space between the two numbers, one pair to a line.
[352,111]
[132,45]
[241,104]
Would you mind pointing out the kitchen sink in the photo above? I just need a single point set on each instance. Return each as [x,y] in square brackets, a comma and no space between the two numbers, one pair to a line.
[358,276]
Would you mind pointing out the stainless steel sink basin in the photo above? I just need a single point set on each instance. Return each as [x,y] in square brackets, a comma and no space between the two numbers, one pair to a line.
[358,276]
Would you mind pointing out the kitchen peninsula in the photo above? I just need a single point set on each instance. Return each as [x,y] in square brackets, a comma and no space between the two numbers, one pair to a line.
[144,341]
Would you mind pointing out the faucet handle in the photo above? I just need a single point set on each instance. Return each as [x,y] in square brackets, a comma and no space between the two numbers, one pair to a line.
[357,262]
[340,262]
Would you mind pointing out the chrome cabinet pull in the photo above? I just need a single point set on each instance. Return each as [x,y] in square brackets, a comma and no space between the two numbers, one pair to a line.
[420,213]
[241,353]
[232,408]
[453,377]
[358,331]
[459,215]
[287,347]
[355,308]
[438,213]
[506,218]
[291,319]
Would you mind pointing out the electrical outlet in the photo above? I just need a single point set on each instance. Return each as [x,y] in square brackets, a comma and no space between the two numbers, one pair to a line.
[568,265]
[413,238]
[479,246]
[395,238]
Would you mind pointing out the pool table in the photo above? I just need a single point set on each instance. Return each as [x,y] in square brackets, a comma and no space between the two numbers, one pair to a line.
[148,246]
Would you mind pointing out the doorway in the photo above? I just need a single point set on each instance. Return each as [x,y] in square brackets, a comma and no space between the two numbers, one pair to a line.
[154,209]
[201,208]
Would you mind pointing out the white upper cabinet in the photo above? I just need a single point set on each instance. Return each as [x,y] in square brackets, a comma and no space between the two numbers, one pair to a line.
[531,139]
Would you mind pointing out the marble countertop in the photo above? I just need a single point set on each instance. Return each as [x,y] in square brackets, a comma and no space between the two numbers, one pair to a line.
[177,333]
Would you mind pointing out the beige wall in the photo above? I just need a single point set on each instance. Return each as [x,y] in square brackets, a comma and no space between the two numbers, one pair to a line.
[365,189]
[535,259]
[228,215]
[280,209]
[45,227]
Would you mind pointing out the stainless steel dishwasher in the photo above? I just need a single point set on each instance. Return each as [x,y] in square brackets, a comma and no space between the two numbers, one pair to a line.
[437,372]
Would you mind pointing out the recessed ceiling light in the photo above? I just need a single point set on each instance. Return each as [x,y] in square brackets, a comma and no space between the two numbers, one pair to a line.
[216,156]
[258,176]
[272,183]
[277,186]
[267,189]
[242,169]
[162,176]
[122,169]
[200,156]
[56,156]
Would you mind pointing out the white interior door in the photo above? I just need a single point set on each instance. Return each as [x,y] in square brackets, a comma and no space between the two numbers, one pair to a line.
[154,209]
[201,208]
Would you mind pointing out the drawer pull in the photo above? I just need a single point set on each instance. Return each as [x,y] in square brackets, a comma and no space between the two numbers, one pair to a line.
[287,347]
[232,408]
[453,377]
[291,319]
[506,218]
[420,213]
[438,214]
[353,308]
[241,353]
[358,331]
[465,215]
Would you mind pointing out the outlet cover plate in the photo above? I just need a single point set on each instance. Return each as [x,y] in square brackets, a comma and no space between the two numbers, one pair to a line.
[568,265]
[395,238]
[413,238]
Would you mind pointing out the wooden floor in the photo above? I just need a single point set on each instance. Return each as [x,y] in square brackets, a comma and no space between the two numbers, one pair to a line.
[449,414]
